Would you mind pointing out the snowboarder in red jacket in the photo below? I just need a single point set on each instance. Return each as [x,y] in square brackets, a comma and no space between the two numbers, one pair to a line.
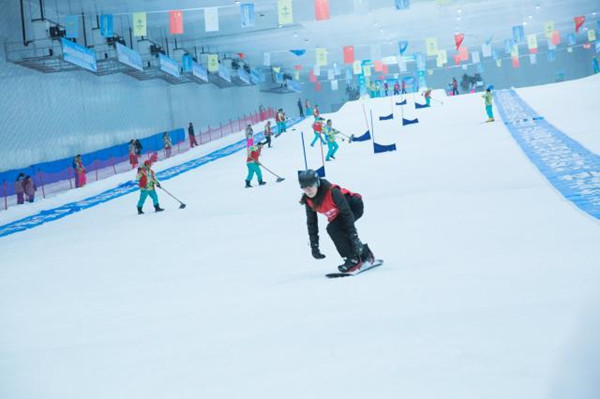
[342,208]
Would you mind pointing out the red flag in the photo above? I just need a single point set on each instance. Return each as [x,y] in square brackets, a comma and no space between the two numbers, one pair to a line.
[317,86]
[587,46]
[241,55]
[381,77]
[312,77]
[386,70]
[578,22]
[298,67]
[463,52]
[378,66]
[458,39]
[515,61]
[176,22]
[321,9]
[456,59]
[555,37]
[348,54]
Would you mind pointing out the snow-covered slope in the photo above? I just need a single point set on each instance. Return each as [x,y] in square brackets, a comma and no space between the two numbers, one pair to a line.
[487,269]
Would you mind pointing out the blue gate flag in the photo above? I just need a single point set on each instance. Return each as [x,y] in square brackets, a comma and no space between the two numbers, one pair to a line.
[298,52]
[107,26]
[247,14]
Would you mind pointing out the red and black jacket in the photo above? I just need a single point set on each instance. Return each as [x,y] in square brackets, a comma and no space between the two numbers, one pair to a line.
[332,201]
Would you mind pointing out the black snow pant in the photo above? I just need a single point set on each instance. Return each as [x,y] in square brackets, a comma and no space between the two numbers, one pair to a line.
[268,140]
[338,233]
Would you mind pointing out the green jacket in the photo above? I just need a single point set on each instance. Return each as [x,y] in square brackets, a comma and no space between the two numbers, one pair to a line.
[488,97]
[330,133]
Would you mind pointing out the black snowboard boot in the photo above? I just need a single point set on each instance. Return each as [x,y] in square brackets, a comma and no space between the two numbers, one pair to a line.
[367,254]
[350,265]
[261,183]
[248,184]
[140,212]
[157,208]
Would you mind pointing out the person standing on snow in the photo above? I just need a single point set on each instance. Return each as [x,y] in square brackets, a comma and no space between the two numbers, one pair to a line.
[280,119]
[316,112]
[19,189]
[167,144]
[300,108]
[29,188]
[385,88]
[342,208]
[79,169]
[147,183]
[396,88]
[403,86]
[192,136]
[249,136]
[427,95]
[488,104]
[454,87]
[308,108]
[317,129]
[332,146]
[268,133]
[133,156]
[253,165]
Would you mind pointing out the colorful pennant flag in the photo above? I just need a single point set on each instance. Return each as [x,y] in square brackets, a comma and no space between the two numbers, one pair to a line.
[515,62]
[518,34]
[514,53]
[317,86]
[312,77]
[532,43]
[348,54]
[247,15]
[212,63]
[571,41]
[107,25]
[139,24]
[486,50]
[442,58]
[176,22]
[357,68]
[591,35]
[402,46]
[321,10]
[285,13]
[316,70]
[456,59]
[298,52]
[458,39]
[378,66]
[548,28]
[431,44]
[211,19]
[556,38]
[579,22]
[72,26]
[321,54]
[298,67]
[463,52]
[367,70]
[475,57]
[402,4]
[330,74]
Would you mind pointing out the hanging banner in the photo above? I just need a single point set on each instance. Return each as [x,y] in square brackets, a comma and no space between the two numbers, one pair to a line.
[378,66]
[532,43]
[458,39]
[385,70]
[486,50]
[463,52]
[556,38]
[402,46]
[515,52]
[402,4]
[518,34]
[129,57]
[211,19]
[348,54]
[72,26]
[176,22]
[267,59]
[336,69]
[79,55]
[508,45]
[107,25]
[475,57]
[456,59]
[330,74]
[247,16]
[591,35]
[420,61]
[316,70]
[442,57]
[367,70]
[571,41]
[139,24]
[357,68]
[548,28]
[321,10]
[533,59]
[431,44]
[579,22]
[169,65]
[321,54]
[212,63]
[391,60]
[285,14]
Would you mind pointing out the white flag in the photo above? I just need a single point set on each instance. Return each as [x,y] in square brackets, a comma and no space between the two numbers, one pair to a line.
[267,59]
[486,49]
[211,19]
[475,57]
[316,70]
[334,85]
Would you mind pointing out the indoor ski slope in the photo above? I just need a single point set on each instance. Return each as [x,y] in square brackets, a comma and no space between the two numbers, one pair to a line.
[489,289]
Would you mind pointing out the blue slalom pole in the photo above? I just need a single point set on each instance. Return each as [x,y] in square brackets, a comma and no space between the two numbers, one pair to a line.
[304,150]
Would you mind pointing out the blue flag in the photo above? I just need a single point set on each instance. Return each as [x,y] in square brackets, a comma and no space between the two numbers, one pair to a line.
[518,34]
[247,14]
[571,39]
[508,45]
[298,52]
[106,25]
[402,4]
[402,45]
[72,26]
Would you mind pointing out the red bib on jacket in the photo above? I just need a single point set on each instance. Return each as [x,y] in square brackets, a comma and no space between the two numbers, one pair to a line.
[328,207]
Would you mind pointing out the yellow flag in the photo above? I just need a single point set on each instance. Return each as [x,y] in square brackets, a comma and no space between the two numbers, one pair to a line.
[591,35]
[284,12]
[515,51]
[431,44]
[532,42]
[430,72]
[548,28]
[357,67]
[499,62]
[213,62]
[321,56]
[442,58]
[367,70]
[139,24]
[276,69]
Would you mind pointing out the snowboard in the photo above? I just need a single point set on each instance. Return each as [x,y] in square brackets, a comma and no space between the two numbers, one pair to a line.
[366,266]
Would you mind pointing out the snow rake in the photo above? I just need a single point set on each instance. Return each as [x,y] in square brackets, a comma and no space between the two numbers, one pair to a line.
[181,204]
[279,178]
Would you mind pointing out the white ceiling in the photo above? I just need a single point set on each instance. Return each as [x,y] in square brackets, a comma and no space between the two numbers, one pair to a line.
[382,25]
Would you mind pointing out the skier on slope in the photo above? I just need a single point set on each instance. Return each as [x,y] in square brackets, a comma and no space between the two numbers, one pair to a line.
[332,146]
[342,208]
[488,104]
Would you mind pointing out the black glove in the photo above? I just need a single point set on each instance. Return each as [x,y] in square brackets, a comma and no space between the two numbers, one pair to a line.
[356,244]
[158,184]
[317,254]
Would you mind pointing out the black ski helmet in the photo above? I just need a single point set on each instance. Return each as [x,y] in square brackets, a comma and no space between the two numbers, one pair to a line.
[308,178]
